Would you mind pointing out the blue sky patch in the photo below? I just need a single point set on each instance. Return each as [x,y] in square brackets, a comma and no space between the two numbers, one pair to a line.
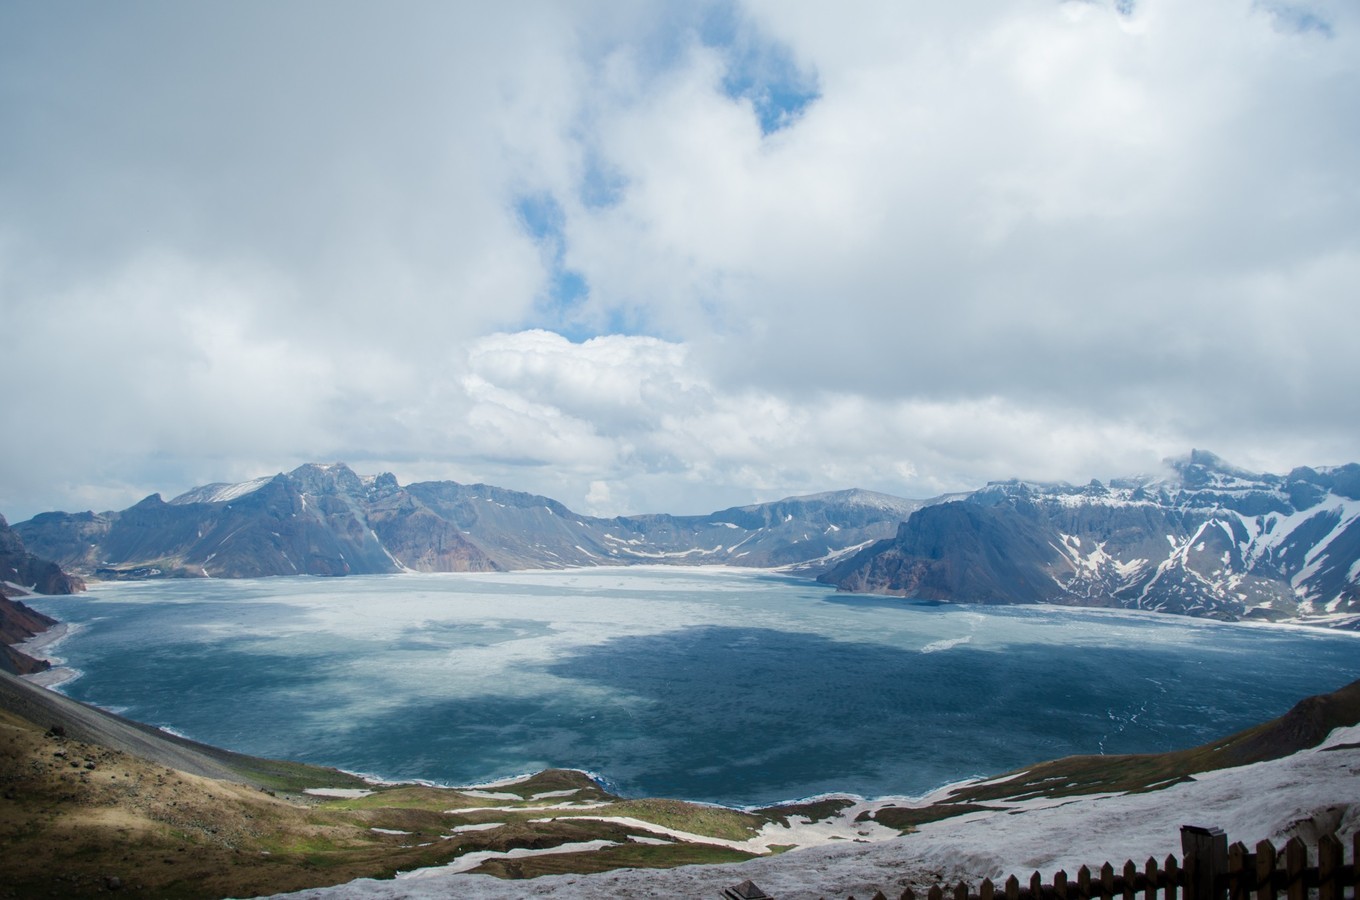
[760,70]
[543,219]
[602,185]
[541,216]
[1298,19]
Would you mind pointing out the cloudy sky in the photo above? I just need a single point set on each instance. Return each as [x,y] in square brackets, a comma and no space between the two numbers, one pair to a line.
[673,256]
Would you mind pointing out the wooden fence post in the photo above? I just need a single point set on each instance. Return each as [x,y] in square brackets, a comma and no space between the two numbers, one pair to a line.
[1329,868]
[1265,871]
[1206,860]
[1355,866]
[1295,862]
[1241,871]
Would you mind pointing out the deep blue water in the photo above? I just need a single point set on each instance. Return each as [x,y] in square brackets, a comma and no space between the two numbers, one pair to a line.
[727,687]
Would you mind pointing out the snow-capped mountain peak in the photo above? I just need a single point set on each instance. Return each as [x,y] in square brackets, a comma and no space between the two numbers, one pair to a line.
[1206,539]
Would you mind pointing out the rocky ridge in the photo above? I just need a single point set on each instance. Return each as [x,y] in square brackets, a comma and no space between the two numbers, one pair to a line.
[327,520]
[1209,540]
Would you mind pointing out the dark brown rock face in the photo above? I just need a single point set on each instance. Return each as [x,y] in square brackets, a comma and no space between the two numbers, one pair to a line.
[29,572]
[17,621]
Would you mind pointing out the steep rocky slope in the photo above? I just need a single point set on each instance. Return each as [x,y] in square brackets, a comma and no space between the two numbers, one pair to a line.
[1212,540]
[19,623]
[22,573]
[27,572]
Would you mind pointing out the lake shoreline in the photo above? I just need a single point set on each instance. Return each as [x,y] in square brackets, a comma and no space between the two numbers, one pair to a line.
[605,623]
[41,647]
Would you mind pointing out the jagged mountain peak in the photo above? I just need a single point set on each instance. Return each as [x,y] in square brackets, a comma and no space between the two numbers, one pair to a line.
[1201,468]
[326,478]
[308,478]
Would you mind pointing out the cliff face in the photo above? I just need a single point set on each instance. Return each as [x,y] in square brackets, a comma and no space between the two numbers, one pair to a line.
[1212,540]
[19,623]
[417,536]
[25,572]
[29,572]
[959,551]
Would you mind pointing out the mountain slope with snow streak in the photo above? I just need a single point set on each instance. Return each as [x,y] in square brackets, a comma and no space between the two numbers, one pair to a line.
[1211,540]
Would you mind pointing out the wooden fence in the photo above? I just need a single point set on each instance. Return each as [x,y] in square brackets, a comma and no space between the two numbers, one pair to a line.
[1210,870]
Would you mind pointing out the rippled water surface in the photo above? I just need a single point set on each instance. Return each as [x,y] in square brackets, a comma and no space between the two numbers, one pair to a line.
[731,687]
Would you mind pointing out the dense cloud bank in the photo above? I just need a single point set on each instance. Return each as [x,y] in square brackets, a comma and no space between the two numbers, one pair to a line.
[674,257]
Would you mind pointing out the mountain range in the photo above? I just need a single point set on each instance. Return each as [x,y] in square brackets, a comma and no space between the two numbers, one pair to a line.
[326,520]
[1210,540]
[1204,539]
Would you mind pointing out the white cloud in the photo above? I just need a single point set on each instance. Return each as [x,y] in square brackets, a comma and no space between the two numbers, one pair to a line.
[623,424]
[1033,238]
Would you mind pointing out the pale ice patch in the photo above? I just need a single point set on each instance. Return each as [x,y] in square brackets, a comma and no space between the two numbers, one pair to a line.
[937,646]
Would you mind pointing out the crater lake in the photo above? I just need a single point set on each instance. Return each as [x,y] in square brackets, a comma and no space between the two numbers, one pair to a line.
[720,685]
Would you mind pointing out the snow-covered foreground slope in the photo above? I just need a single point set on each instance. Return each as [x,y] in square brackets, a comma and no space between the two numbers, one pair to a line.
[1308,793]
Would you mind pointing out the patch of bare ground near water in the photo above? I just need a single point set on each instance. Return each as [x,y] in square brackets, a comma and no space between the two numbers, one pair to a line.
[78,819]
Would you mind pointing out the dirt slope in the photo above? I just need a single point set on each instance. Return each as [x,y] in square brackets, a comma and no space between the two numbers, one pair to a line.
[85,723]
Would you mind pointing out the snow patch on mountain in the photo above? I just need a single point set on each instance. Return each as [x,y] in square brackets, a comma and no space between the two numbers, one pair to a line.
[1204,539]
[221,493]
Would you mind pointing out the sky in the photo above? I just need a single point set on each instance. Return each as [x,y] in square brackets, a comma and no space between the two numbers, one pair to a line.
[673,256]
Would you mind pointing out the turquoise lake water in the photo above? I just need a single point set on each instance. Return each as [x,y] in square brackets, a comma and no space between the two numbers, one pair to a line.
[716,685]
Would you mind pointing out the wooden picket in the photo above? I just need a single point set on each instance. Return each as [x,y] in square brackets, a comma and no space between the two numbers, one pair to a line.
[1209,870]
